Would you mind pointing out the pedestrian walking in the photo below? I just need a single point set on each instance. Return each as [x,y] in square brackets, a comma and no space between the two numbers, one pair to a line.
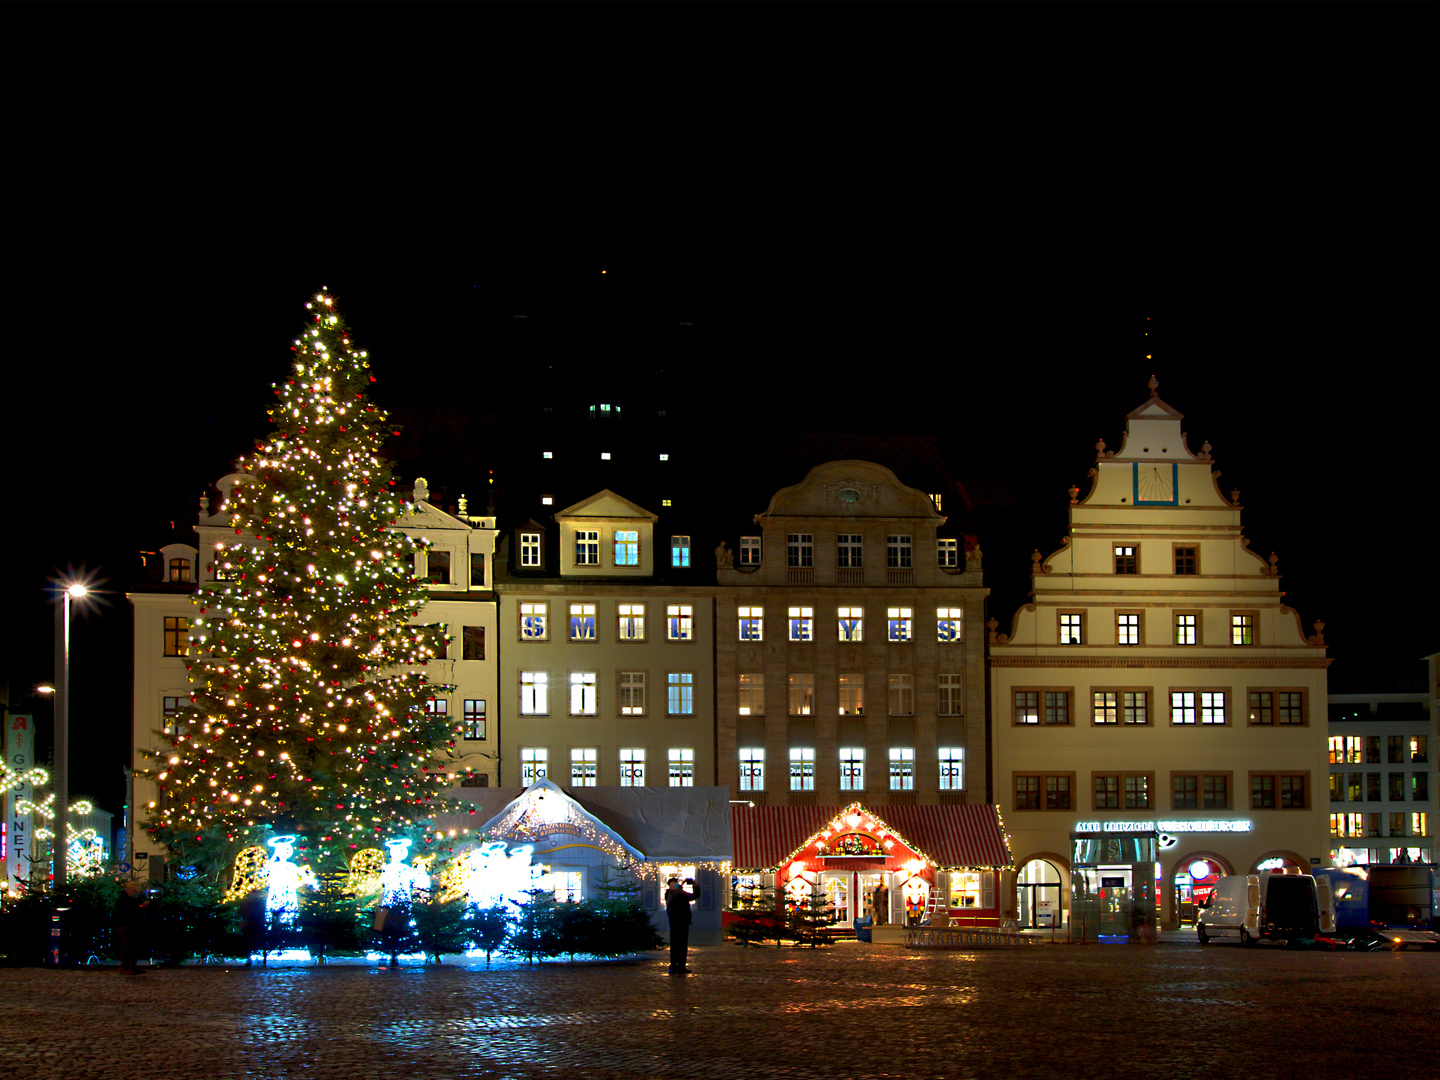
[677,911]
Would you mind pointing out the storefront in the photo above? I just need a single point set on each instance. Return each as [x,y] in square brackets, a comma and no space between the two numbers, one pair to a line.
[912,864]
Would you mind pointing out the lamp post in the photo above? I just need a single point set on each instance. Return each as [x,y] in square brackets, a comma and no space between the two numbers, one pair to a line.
[71,592]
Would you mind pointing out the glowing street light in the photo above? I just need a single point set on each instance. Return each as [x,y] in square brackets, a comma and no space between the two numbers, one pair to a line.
[71,591]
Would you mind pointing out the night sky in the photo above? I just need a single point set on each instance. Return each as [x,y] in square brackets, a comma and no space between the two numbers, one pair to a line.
[783,279]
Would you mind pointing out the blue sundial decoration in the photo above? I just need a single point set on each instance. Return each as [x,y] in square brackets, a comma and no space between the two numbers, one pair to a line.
[1157,483]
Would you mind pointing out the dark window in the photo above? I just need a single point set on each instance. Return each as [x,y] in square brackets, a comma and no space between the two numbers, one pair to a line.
[473,643]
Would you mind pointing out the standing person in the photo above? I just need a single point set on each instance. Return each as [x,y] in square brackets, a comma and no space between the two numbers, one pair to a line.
[880,905]
[129,915]
[677,911]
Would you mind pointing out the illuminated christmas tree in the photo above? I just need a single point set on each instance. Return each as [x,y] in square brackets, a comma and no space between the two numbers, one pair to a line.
[308,712]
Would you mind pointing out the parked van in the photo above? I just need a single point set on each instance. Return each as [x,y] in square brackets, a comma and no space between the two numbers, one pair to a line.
[1275,906]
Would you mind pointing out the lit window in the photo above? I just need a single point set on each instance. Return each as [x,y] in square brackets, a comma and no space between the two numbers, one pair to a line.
[666,502]
[900,623]
[179,570]
[902,695]
[752,768]
[1186,630]
[1127,629]
[752,624]
[632,767]
[587,547]
[852,768]
[583,693]
[682,767]
[1242,630]
[952,768]
[802,768]
[567,885]
[177,636]
[171,709]
[529,549]
[947,553]
[902,768]
[802,695]
[582,766]
[474,718]
[802,624]
[1072,628]
[680,551]
[627,547]
[632,693]
[898,552]
[949,622]
[582,622]
[680,622]
[848,551]
[800,550]
[935,498]
[1212,707]
[1182,707]
[534,693]
[534,621]
[851,623]
[605,455]
[1126,560]
[680,688]
[631,622]
[664,457]
[852,694]
[949,701]
[547,454]
[438,706]
[749,551]
[533,760]
[751,695]
[1135,706]
[547,500]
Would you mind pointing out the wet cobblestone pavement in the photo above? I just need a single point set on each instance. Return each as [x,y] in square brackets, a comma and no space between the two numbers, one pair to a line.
[848,1011]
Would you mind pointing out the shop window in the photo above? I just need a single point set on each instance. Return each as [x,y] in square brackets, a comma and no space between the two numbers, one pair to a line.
[682,767]
[952,768]
[582,622]
[752,623]
[802,768]
[632,767]
[752,768]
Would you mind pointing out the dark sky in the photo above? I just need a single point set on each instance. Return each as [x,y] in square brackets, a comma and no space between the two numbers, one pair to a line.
[877,261]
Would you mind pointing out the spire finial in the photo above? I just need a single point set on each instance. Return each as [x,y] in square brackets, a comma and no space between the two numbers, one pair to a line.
[1154,385]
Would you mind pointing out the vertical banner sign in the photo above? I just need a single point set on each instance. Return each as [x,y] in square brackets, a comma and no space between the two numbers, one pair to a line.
[20,757]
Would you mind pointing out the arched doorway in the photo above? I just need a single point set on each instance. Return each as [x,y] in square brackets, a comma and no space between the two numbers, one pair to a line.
[1040,895]
[1192,881]
[1281,862]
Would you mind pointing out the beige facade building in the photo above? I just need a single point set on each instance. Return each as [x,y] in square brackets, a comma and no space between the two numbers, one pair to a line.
[606,668]
[1159,714]
[457,564]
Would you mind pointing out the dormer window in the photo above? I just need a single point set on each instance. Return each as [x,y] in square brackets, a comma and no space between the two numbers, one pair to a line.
[529,549]
[179,570]
[627,547]
[438,567]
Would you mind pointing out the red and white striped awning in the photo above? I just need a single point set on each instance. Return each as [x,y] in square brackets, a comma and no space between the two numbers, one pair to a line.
[952,837]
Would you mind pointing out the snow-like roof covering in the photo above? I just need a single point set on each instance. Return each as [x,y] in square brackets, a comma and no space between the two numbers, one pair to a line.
[658,824]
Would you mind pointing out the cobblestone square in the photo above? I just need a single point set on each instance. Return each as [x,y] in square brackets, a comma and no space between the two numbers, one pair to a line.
[847,1011]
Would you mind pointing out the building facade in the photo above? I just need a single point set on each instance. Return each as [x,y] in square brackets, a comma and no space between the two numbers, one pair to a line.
[456,561]
[847,672]
[607,664]
[1158,712]
[1382,795]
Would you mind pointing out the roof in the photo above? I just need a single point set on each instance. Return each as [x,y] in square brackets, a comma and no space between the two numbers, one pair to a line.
[680,825]
[951,836]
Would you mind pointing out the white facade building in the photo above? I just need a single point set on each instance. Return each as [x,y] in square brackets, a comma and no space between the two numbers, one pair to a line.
[1158,714]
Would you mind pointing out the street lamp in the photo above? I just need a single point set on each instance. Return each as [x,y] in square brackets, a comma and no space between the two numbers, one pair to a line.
[70,592]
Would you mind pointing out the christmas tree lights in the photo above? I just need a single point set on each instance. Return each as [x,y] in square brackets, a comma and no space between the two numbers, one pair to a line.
[308,712]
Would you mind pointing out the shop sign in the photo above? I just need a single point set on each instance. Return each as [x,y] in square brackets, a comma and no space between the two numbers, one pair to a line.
[1239,826]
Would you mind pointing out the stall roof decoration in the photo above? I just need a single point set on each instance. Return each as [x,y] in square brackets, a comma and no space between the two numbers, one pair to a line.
[669,825]
[947,837]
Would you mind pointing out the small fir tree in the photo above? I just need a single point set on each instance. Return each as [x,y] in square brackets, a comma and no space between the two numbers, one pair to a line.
[441,926]
[328,922]
[536,928]
[755,918]
[488,928]
[309,703]
[623,925]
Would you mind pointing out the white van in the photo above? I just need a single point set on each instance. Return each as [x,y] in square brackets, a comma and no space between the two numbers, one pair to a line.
[1281,907]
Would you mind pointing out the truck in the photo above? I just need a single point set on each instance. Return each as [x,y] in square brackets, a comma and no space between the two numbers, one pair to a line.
[1392,905]
[1269,906]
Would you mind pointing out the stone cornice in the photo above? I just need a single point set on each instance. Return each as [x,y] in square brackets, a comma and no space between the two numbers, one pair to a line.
[1193,663]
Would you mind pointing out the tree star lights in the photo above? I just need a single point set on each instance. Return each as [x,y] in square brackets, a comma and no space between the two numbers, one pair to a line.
[308,711]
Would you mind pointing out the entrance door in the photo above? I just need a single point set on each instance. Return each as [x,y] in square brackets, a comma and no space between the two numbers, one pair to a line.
[1115,903]
[837,894]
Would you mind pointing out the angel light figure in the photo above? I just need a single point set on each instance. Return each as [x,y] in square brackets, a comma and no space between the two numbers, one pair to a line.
[398,880]
[285,878]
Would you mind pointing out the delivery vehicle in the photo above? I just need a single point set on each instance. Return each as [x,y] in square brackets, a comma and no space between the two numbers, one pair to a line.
[1269,906]
[1391,905]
